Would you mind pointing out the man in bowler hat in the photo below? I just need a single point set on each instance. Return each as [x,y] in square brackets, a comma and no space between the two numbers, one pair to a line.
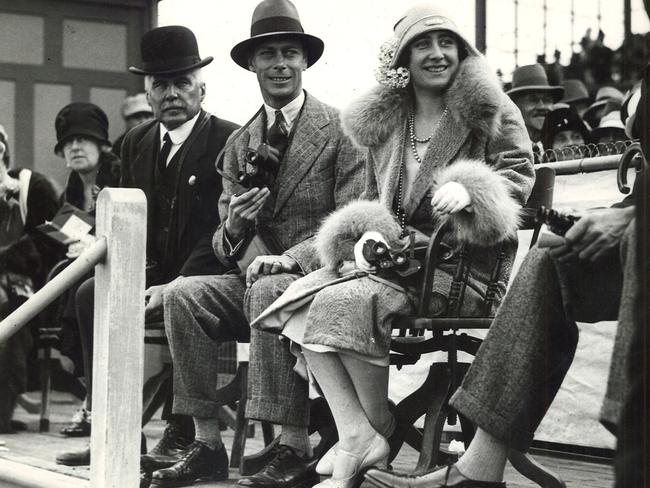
[171,158]
[310,168]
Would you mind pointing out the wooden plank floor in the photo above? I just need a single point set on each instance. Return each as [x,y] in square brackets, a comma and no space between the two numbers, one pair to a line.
[39,450]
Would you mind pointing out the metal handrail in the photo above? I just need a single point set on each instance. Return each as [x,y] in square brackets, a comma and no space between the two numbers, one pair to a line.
[93,255]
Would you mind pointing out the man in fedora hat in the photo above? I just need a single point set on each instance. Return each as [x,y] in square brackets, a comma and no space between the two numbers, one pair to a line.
[171,158]
[308,168]
[534,96]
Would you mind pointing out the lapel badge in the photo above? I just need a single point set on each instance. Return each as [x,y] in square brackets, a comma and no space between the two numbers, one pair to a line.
[192,180]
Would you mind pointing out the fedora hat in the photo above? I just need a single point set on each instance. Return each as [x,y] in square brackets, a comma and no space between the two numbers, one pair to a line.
[574,91]
[603,95]
[167,50]
[80,119]
[276,18]
[532,78]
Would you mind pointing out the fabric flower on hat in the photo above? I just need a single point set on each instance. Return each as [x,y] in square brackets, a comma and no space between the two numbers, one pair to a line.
[391,77]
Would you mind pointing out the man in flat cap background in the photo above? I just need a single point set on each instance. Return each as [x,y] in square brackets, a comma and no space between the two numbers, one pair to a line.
[170,158]
[308,169]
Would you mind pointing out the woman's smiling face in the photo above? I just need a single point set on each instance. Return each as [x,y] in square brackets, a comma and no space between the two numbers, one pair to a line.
[434,60]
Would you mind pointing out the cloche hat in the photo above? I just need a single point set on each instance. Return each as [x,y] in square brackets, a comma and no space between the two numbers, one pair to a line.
[532,78]
[425,18]
[561,119]
[80,119]
[167,50]
[276,18]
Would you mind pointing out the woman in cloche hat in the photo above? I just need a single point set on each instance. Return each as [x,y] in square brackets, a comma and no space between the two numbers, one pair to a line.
[444,144]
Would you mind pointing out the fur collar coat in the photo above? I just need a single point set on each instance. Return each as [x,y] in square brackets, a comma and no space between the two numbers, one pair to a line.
[482,143]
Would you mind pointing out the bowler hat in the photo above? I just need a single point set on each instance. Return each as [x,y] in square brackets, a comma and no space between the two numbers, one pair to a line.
[276,18]
[167,50]
[80,119]
[532,78]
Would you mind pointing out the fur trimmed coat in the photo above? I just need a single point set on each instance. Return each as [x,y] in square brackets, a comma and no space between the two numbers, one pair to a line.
[482,144]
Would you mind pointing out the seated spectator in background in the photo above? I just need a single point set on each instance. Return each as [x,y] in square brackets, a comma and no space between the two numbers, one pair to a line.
[135,111]
[27,199]
[590,275]
[534,97]
[82,144]
[597,109]
[610,130]
[563,131]
[575,95]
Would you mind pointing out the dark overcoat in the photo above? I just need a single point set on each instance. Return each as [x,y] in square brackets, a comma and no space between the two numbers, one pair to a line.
[195,214]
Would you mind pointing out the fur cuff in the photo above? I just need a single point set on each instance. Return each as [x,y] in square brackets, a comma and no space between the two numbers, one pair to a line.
[342,229]
[495,215]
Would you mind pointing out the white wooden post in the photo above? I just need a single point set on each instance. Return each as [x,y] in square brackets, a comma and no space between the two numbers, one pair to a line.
[119,340]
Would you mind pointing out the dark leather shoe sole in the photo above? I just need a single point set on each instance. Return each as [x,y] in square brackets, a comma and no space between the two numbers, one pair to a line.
[305,483]
[176,483]
[382,479]
[79,458]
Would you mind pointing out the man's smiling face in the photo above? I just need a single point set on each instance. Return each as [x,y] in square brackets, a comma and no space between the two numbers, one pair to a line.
[279,63]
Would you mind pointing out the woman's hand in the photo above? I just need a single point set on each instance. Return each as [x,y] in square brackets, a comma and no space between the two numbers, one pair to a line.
[361,262]
[76,248]
[451,198]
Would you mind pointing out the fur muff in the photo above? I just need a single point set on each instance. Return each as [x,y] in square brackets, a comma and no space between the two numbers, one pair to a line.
[475,96]
[342,229]
[495,215]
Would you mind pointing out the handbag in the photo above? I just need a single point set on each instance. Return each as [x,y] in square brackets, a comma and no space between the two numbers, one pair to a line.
[262,242]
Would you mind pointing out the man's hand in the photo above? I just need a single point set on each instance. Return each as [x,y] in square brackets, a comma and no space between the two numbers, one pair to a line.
[596,234]
[265,265]
[153,310]
[361,262]
[243,210]
[450,198]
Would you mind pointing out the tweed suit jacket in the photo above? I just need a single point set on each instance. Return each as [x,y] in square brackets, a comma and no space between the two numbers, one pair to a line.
[196,215]
[321,170]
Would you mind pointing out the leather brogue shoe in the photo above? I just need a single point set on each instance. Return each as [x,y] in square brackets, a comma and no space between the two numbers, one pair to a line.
[387,479]
[197,463]
[74,458]
[287,469]
[168,451]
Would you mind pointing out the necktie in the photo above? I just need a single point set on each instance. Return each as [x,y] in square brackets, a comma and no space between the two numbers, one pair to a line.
[278,133]
[164,153]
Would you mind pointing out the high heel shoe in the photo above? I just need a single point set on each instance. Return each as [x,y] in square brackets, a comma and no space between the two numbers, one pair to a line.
[376,454]
[326,463]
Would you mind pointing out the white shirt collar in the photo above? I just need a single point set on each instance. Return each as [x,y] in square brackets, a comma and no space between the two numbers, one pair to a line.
[290,111]
[180,133]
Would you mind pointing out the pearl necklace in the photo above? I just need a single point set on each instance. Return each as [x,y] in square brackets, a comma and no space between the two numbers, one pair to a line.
[413,139]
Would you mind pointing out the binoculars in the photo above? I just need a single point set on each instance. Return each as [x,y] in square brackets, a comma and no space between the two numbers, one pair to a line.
[380,255]
[558,222]
[261,168]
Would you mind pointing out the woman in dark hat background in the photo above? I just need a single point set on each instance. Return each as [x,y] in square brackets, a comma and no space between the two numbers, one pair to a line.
[82,143]
[563,133]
